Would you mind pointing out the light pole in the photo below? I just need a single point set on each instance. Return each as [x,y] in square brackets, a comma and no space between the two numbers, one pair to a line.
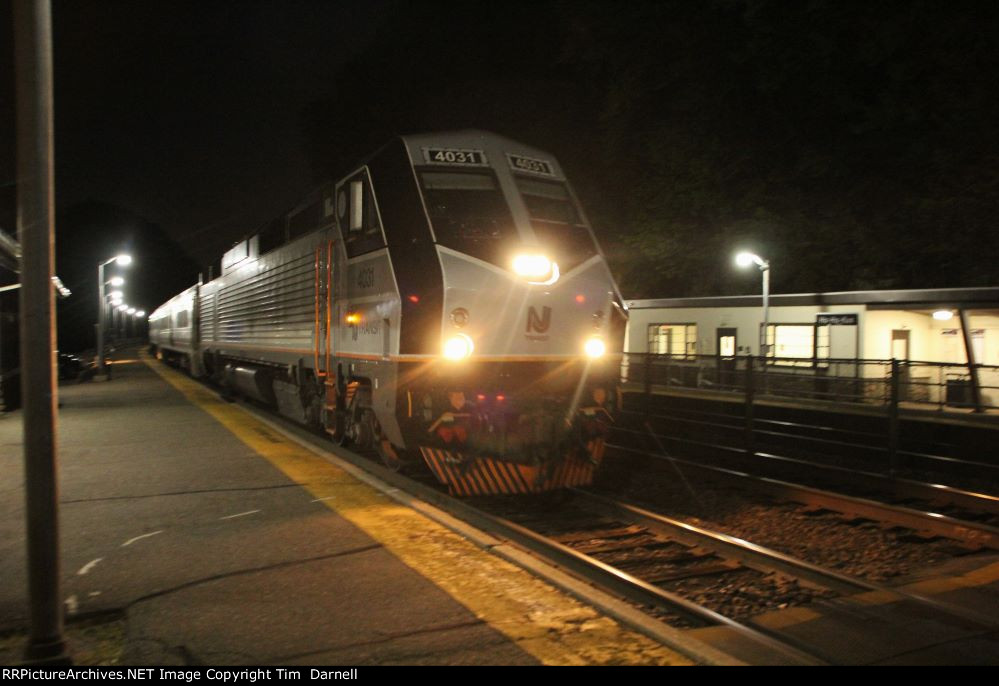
[744,259]
[119,321]
[123,261]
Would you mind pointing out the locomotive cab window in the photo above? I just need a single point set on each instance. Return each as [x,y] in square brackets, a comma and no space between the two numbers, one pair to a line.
[556,221]
[469,214]
[358,217]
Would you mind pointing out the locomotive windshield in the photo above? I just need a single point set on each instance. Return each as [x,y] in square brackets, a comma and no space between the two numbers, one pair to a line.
[555,221]
[469,214]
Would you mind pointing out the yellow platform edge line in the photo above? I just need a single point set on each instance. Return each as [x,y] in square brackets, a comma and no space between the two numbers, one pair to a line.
[543,621]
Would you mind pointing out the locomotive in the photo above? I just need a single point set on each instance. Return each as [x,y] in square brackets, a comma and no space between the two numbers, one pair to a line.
[446,302]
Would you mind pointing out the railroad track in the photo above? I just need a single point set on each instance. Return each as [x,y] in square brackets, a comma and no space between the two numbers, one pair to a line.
[927,522]
[857,448]
[940,499]
[682,576]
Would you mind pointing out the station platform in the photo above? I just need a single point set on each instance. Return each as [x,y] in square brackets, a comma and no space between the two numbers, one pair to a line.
[211,538]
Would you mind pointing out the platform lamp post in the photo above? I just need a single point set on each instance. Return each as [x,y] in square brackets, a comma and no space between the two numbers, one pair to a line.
[111,308]
[744,259]
[112,301]
[122,261]
[120,320]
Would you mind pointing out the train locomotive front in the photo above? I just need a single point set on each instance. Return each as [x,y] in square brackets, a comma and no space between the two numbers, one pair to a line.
[461,313]
[524,384]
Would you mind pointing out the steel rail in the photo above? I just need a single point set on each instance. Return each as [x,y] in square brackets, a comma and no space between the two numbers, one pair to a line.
[898,486]
[929,522]
[737,424]
[763,558]
[750,554]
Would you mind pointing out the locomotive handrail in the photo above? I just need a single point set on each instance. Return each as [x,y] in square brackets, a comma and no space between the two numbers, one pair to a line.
[329,300]
[319,372]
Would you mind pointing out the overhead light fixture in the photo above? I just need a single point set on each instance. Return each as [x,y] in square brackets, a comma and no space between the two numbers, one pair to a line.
[943,315]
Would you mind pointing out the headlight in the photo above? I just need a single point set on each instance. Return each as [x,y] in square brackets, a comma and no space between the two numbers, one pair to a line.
[595,347]
[532,266]
[536,269]
[458,347]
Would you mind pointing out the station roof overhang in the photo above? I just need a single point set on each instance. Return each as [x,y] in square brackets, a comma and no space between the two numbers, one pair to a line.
[910,299]
[10,261]
[10,252]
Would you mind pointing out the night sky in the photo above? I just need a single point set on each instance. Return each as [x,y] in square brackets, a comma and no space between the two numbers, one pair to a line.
[854,144]
[189,113]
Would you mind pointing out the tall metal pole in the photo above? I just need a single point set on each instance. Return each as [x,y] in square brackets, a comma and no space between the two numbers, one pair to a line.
[101,307]
[969,352]
[35,204]
[765,268]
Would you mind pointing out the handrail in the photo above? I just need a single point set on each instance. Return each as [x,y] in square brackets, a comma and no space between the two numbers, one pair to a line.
[329,299]
[319,372]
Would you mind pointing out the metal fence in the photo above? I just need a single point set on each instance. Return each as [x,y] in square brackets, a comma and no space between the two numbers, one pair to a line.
[890,383]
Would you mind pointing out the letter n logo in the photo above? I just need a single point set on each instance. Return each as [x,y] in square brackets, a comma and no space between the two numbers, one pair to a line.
[536,323]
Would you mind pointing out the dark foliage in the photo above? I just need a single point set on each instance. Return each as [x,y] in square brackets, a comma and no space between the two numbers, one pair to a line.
[854,144]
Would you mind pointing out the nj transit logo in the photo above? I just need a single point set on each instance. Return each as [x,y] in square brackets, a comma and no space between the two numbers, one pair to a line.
[538,323]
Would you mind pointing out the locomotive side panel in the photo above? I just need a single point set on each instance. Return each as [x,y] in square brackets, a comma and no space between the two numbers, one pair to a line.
[366,314]
[265,310]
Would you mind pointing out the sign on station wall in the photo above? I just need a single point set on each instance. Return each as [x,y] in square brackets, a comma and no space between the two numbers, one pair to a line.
[823,319]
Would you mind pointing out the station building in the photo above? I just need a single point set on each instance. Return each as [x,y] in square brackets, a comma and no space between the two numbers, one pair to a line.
[947,339]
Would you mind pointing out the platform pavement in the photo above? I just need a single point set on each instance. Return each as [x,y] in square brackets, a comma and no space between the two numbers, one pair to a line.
[220,541]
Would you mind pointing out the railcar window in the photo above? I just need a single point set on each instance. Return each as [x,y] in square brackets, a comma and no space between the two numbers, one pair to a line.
[469,214]
[556,222]
[358,217]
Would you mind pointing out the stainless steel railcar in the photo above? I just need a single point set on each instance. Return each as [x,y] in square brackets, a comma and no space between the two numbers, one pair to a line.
[445,299]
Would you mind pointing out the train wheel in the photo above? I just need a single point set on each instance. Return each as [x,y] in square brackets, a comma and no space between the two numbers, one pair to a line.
[378,443]
[347,429]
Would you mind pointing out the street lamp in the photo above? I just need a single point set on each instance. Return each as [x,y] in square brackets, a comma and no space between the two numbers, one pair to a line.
[117,281]
[745,259]
[122,261]
[119,320]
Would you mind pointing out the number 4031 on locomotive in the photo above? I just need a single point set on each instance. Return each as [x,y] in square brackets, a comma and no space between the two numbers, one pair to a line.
[446,302]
